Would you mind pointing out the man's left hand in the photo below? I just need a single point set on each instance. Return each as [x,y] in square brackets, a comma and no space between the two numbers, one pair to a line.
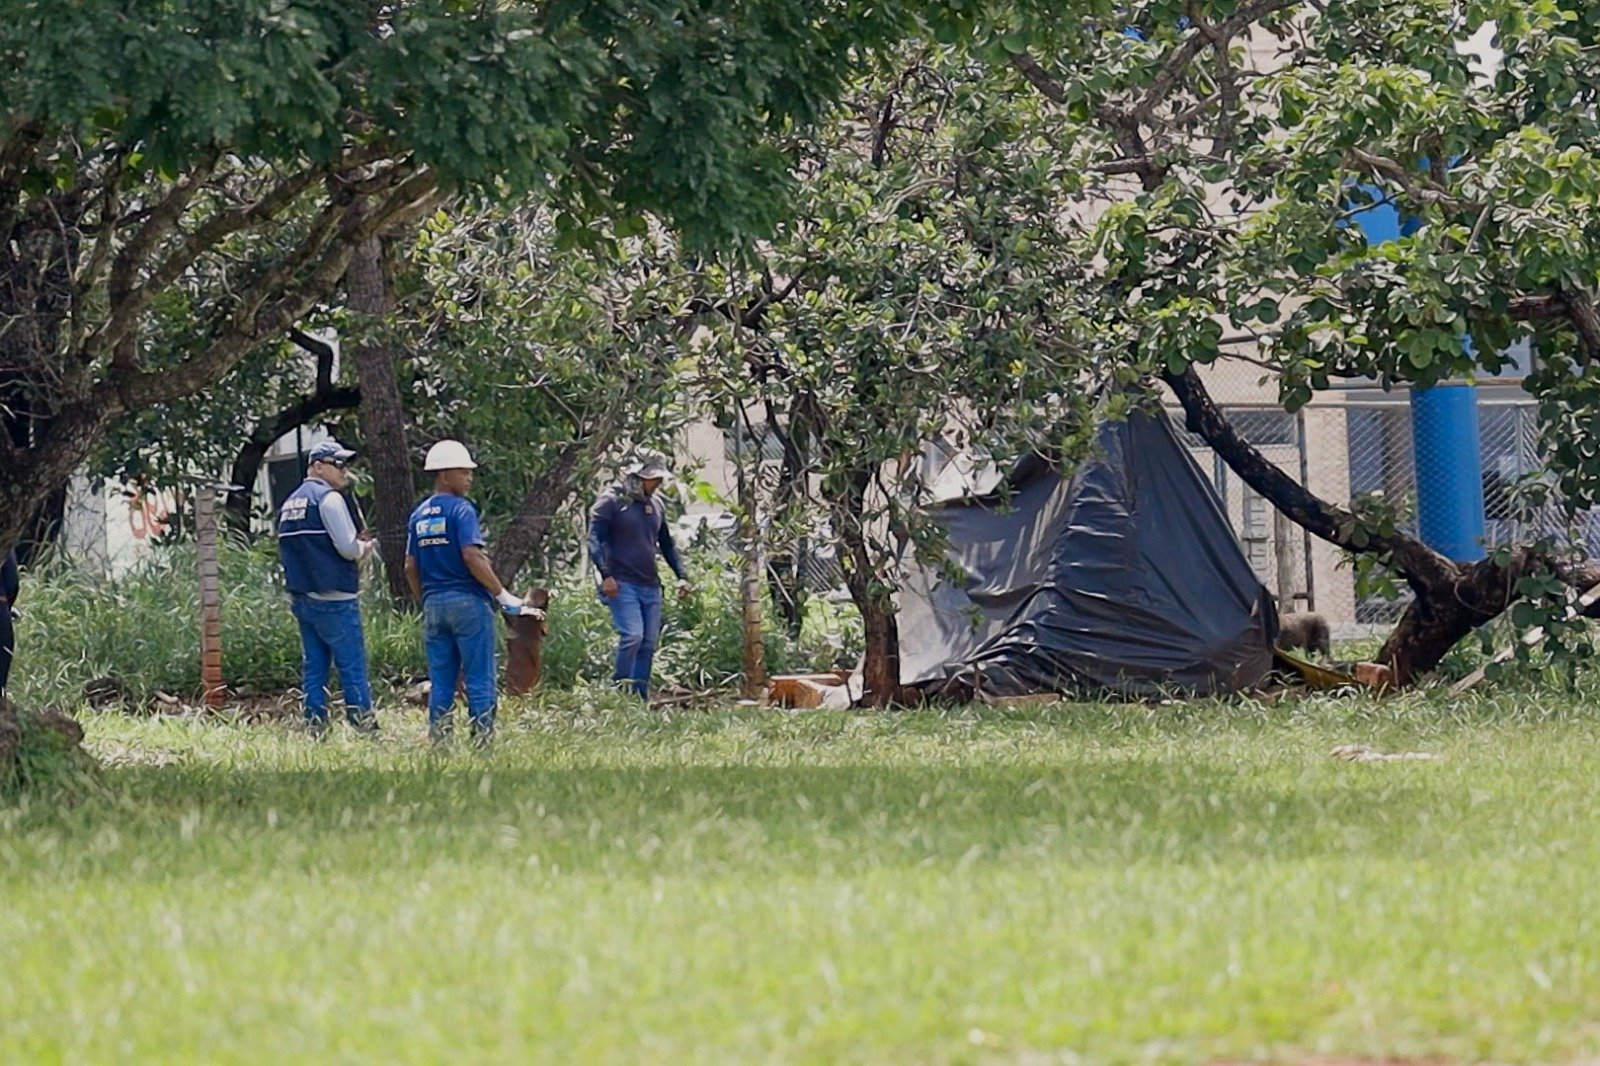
[685,590]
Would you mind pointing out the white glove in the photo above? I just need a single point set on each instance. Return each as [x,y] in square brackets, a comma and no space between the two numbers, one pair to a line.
[509,603]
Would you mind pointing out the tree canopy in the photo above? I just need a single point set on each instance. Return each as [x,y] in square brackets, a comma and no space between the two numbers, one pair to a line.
[253,145]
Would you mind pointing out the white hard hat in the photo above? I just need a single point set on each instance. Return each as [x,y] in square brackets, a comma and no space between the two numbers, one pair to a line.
[449,455]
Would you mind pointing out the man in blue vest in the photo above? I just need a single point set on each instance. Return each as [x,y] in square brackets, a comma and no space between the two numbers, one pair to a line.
[321,553]
[627,526]
[450,573]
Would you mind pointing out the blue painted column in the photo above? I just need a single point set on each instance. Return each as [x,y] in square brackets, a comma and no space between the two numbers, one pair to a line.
[1444,438]
[1449,462]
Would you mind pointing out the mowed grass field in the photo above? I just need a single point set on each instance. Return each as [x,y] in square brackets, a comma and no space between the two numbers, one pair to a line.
[1079,883]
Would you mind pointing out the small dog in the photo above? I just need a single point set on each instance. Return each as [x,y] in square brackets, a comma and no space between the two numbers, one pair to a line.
[1306,631]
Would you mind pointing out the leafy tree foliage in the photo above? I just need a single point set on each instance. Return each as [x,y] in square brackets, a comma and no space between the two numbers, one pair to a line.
[1229,147]
[258,143]
[548,361]
[920,293]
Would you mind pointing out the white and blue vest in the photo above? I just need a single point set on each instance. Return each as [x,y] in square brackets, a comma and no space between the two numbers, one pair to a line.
[310,561]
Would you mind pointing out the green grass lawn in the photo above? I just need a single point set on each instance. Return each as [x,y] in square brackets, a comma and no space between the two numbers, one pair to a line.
[1068,883]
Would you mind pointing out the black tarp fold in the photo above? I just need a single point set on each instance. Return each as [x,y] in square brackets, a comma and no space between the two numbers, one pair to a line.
[1124,578]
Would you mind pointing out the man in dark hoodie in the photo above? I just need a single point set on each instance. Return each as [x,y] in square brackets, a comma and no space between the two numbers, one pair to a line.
[9,584]
[627,527]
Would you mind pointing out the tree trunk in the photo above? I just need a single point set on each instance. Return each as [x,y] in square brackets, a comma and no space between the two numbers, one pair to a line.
[524,535]
[370,289]
[752,648]
[1429,627]
[1432,623]
[75,393]
[56,453]
[789,592]
[881,666]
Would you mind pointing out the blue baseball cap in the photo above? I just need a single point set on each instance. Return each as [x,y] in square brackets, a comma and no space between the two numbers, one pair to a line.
[330,451]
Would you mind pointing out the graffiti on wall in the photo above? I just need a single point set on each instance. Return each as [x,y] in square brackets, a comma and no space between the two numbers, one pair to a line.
[149,513]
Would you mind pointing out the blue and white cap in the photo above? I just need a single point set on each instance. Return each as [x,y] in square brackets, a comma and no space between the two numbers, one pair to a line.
[330,451]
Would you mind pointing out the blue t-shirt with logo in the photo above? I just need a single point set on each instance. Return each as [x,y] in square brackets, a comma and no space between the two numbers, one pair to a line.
[440,527]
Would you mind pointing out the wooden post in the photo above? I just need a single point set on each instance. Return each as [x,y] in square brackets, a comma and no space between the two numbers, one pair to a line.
[752,648]
[205,534]
[1282,531]
[753,651]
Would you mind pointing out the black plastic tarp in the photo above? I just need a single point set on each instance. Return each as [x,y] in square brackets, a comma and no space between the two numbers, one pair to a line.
[1125,577]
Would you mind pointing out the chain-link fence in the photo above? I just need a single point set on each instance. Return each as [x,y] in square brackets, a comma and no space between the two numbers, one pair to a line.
[1349,446]
[1357,445]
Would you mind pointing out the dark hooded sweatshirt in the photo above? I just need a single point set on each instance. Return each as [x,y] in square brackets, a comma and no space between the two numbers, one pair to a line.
[625,532]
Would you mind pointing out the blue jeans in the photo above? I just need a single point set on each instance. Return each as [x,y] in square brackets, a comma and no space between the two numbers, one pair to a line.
[458,635]
[636,614]
[330,633]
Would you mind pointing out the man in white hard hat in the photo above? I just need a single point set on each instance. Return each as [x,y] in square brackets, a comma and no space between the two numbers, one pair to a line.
[321,552]
[627,527]
[449,571]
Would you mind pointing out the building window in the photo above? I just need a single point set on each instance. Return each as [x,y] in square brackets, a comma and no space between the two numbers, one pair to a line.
[740,442]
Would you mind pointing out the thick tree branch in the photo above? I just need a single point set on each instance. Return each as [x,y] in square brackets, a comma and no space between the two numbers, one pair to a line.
[159,223]
[247,463]
[1124,127]
[1176,63]
[880,132]
[1534,308]
[107,224]
[545,497]
[330,246]
[203,240]
[1585,319]
[321,349]
[1418,562]
[1121,167]
[1577,307]
[1417,186]
[1038,77]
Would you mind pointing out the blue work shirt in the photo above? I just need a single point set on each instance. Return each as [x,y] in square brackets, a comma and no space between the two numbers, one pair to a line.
[440,528]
